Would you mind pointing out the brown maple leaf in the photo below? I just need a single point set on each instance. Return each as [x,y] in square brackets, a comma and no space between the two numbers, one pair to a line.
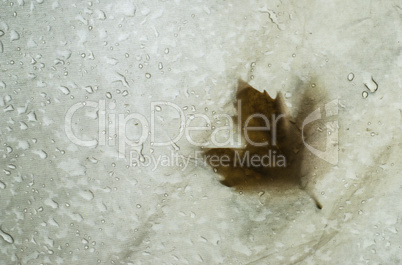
[273,139]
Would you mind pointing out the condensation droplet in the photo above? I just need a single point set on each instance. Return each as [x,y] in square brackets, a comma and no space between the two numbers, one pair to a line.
[351,76]
[160,66]
[109,95]
[8,238]
[14,35]
[64,90]
[372,86]
[364,94]
[148,75]
[93,160]
[167,50]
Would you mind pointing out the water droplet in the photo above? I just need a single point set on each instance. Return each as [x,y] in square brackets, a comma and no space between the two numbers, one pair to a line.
[253,64]
[138,205]
[372,86]
[294,55]
[175,147]
[83,55]
[158,108]
[167,50]
[32,116]
[93,160]
[14,35]
[140,66]
[64,90]
[364,94]
[9,108]
[124,93]
[312,85]
[148,75]
[160,66]
[351,76]
[109,95]
[89,89]
[42,154]
[8,238]
[372,134]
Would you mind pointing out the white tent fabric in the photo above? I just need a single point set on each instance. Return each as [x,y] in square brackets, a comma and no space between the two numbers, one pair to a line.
[90,90]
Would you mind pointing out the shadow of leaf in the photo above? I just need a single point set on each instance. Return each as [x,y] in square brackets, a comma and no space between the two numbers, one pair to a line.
[274,152]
